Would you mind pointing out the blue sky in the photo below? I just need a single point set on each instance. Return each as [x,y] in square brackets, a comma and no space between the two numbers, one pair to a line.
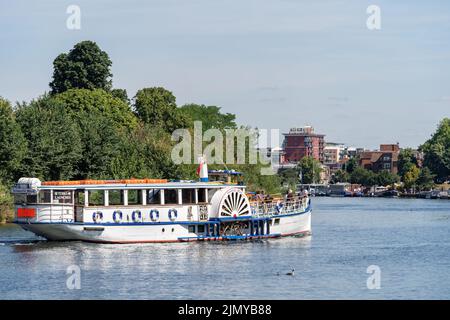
[274,63]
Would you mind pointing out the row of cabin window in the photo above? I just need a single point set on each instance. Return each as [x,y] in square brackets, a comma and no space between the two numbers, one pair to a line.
[44,196]
[115,197]
[134,197]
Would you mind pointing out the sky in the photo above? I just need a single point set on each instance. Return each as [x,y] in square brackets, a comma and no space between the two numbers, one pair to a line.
[276,64]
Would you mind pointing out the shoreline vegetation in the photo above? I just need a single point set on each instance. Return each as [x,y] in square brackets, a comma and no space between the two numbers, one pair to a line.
[83,128]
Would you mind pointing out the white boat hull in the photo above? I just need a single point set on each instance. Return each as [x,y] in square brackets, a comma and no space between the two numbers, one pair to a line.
[283,225]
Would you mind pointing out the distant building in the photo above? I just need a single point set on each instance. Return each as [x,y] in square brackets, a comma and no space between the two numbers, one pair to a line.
[384,159]
[302,142]
[333,153]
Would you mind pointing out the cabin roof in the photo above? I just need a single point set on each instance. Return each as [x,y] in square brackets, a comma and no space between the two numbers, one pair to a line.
[167,185]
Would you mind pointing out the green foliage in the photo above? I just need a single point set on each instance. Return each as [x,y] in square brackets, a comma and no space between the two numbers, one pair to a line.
[54,145]
[6,204]
[86,66]
[82,102]
[310,170]
[255,181]
[425,181]
[144,152]
[157,107]
[410,177]
[385,178]
[210,116]
[100,138]
[350,165]
[363,176]
[289,177]
[437,151]
[121,94]
[12,144]
[406,161]
[340,176]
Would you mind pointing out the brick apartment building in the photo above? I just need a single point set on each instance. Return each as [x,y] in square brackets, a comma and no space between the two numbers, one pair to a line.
[302,142]
[384,159]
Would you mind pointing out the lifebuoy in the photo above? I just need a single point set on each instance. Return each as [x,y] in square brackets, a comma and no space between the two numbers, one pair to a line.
[154,215]
[173,214]
[117,213]
[136,216]
[97,216]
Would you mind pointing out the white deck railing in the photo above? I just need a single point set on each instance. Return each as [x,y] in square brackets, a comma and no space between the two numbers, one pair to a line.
[280,206]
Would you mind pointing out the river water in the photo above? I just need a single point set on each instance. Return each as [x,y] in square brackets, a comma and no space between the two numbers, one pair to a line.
[407,240]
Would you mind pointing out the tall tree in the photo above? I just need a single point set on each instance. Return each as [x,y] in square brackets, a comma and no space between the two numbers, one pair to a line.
[12,144]
[437,151]
[121,94]
[54,145]
[385,178]
[144,151]
[340,176]
[350,165]
[411,176]
[425,179]
[210,116]
[82,102]
[310,170]
[406,161]
[363,176]
[157,107]
[85,66]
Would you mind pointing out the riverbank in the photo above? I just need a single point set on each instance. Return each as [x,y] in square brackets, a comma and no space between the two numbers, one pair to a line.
[6,205]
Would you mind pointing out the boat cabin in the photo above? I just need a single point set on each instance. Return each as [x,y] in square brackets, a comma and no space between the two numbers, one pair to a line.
[131,200]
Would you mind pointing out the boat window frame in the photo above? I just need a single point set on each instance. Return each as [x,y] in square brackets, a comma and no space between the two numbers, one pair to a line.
[122,195]
[194,195]
[90,204]
[160,196]
[205,194]
[177,196]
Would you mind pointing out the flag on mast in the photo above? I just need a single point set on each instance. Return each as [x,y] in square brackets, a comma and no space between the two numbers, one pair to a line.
[202,170]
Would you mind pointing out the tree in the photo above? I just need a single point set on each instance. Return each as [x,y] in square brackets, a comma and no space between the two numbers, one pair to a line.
[411,176]
[289,177]
[340,176]
[6,204]
[210,116]
[406,160]
[350,165]
[12,144]
[310,170]
[385,178]
[157,107]
[121,94]
[437,151]
[85,66]
[100,138]
[363,177]
[54,144]
[425,181]
[83,103]
[144,152]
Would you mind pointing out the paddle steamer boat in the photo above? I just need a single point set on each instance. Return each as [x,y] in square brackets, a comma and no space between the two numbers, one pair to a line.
[155,210]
